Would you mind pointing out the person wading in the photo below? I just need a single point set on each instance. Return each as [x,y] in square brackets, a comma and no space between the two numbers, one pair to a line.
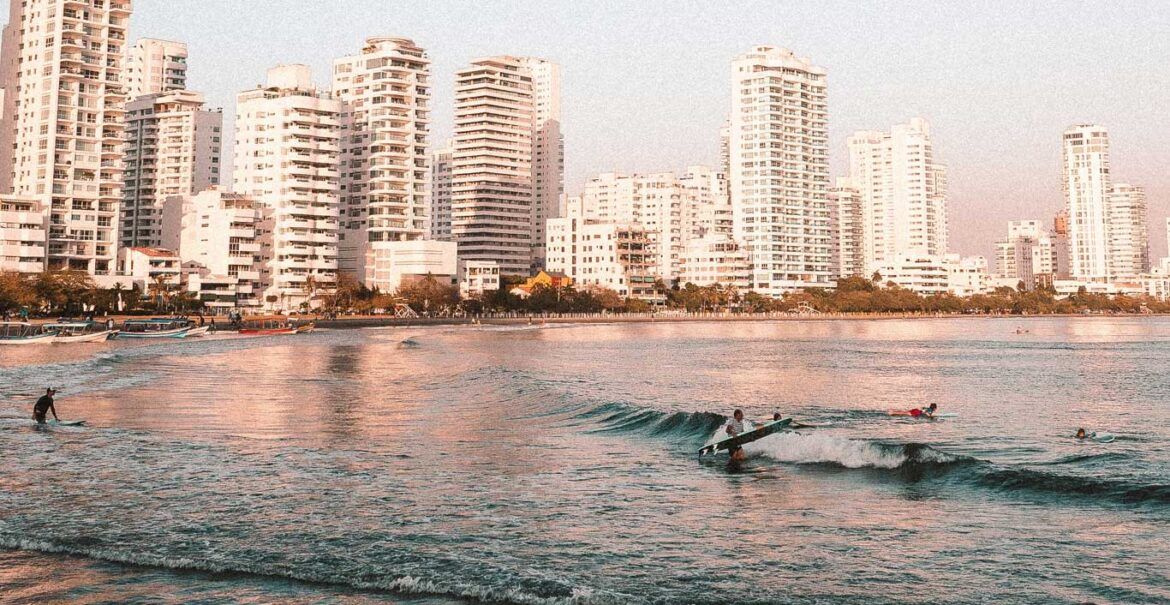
[44,405]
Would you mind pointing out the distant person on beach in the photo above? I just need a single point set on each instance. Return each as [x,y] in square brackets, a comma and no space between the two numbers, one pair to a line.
[737,426]
[43,405]
[928,411]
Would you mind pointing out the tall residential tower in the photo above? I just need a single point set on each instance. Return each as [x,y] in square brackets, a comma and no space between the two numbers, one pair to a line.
[61,129]
[902,188]
[1086,192]
[491,164]
[779,159]
[385,91]
[287,157]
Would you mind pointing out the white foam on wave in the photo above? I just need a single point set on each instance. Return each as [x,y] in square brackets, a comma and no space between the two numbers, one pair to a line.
[821,448]
[401,584]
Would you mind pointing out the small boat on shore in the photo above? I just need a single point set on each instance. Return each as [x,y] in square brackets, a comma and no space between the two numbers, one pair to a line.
[198,331]
[23,333]
[273,326]
[156,327]
[69,332]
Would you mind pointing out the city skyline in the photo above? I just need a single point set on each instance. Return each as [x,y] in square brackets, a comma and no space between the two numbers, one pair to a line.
[641,99]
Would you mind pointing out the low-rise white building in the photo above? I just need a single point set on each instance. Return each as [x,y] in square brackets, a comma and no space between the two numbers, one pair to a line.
[618,256]
[715,259]
[477,277]
[145,267]
[936,274]
[22,234]
[968,276]
[391,264]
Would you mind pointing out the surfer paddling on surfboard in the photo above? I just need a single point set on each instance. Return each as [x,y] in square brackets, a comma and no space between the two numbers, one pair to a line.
[928,411]
[43,405]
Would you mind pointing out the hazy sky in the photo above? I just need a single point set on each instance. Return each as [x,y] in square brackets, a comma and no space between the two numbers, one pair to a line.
[647,84]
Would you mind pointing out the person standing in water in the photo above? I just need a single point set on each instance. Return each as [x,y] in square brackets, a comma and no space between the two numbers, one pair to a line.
[44,405]
[737,426]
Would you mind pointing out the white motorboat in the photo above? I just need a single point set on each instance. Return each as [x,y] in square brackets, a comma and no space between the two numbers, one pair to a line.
[78,331]
[23,333]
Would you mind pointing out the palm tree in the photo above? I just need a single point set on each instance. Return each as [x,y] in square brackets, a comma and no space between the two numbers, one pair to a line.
[310,288]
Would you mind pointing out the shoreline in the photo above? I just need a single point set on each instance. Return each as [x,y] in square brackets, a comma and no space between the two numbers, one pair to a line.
[381,321]
[358,322]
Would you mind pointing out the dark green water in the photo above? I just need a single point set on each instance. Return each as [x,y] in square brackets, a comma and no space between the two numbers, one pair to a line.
[557,465]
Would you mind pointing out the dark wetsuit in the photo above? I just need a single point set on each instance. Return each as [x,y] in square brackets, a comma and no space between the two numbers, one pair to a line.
[41,408]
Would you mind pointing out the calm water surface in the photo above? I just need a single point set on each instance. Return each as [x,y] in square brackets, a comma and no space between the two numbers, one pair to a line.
[556,465]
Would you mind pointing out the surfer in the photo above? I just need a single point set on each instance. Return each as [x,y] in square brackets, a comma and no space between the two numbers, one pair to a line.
[928,411]
[737,426]
[45,404]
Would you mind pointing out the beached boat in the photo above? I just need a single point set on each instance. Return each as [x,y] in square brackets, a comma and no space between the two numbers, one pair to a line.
[198,331]
[23,333]
[68,332]
[267,326]
[156,327]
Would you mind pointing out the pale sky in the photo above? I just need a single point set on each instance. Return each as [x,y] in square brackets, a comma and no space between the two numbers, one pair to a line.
[647,83]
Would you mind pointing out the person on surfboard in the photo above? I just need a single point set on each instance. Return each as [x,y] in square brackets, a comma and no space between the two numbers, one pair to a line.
[928,411]
[43,405]
[737,426]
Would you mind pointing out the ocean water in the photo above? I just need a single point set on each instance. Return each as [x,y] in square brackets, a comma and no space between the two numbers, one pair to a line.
[548,465]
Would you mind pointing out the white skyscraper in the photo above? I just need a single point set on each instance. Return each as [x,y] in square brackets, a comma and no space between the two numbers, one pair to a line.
[1086,192]
[548,150]
[848,232]
[61,130]
[287,156]
[492,188]
[172,148]
[385,91]
[155,66]
[779,158]
[903,193]
[1129,242]
[440,194]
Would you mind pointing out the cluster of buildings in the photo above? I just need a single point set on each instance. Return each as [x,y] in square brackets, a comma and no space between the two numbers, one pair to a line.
[1099,241]
[109,164]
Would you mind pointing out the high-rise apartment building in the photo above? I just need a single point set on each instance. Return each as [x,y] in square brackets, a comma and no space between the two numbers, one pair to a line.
[847,230]
[1086,191]
[385,91]
[440,194]
[491,164]
[154,66]
[172,148]
[548,151]
[61,132]
[506,131]
[1129,240]
[903,193]
[779,158]
[287,156]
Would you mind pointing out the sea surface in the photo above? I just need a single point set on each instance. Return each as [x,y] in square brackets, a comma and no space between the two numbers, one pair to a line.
[557,464]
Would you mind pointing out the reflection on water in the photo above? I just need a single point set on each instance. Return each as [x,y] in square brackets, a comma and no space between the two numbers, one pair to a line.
[556,464]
